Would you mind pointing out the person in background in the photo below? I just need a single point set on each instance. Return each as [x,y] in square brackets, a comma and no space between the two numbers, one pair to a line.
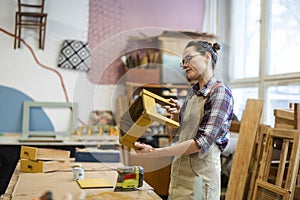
[204,118]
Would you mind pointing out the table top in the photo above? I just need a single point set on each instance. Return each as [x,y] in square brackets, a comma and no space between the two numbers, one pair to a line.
[60,183]
[13,139]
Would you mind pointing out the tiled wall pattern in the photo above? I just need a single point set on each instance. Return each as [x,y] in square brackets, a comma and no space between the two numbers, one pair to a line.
[106,19]
[111,22]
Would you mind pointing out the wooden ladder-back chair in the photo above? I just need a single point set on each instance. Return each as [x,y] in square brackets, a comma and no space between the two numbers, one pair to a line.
[32,16]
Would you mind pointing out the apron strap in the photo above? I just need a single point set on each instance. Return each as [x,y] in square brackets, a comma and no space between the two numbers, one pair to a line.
[218,84]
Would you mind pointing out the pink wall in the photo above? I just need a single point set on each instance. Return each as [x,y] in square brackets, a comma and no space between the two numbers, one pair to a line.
[111,22]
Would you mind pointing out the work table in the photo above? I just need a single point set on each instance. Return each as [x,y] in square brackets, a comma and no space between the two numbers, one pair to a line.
[10,151]
[60,183]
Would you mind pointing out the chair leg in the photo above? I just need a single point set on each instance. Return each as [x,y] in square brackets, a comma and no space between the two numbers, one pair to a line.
[40,36]
[44,33]
[19,32]
[16,31]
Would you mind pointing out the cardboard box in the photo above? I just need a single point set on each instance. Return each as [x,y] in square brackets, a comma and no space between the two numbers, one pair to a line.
[138,75]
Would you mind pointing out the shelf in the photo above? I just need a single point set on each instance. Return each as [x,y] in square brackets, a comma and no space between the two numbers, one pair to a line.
[159,89]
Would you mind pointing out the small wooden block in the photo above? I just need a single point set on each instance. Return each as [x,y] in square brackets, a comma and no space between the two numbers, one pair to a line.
[33,153]
[42,166]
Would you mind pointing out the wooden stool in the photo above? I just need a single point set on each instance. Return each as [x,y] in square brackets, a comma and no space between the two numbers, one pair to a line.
[140,116]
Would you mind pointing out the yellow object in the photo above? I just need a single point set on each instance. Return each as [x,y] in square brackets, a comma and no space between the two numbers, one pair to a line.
[95,183]
[90,130]
[28,152]
[31,166]
[140,115]
[100,131]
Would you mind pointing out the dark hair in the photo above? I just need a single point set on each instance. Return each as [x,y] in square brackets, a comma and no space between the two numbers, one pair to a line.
[204,46]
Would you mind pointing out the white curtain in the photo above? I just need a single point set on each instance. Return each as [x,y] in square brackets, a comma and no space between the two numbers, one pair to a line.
[210,17]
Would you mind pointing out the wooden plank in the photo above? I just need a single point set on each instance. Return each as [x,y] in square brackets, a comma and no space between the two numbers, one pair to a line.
[42,166]
[283,126]
[282,163]
[293,164]
[279,120]
[135,132]
[284,113]
[242,157]
[34,153]
[297,193]
[235,126]
[297,115]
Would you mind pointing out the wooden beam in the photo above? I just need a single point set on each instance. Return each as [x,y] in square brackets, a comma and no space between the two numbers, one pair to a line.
[243,153]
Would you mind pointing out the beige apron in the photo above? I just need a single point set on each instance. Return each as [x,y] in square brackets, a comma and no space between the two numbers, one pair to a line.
[186,168]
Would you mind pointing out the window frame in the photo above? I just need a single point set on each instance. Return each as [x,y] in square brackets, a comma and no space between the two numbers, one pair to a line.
[263,81]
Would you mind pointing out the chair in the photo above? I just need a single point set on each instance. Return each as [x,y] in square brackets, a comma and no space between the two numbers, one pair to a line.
[30,16]
[279,183]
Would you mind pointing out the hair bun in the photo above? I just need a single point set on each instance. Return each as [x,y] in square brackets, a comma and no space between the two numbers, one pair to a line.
[216,47]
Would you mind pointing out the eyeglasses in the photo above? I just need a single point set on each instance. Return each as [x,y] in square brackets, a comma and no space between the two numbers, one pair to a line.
[187,59]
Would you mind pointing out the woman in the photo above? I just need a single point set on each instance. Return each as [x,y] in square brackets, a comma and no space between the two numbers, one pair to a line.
[205,118]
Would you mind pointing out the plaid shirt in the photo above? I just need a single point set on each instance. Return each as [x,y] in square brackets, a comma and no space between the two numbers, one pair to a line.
[218,113]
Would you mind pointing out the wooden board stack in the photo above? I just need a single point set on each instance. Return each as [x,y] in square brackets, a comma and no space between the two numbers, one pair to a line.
[43,160]
[288,118]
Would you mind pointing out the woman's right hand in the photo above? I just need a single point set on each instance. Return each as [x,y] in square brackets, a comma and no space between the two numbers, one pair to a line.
[173,110]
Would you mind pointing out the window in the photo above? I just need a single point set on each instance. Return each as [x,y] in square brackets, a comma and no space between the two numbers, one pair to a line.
[245,36]
[279,97]
[242,94]
[285,37]
[265,35]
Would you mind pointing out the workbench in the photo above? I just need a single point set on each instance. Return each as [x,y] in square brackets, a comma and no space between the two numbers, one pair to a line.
[60,183]
[10,152]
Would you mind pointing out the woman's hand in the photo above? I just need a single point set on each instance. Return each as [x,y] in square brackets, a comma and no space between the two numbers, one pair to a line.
[173,110]
[143,148]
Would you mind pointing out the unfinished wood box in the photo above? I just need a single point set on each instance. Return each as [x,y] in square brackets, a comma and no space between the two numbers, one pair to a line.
[33,153]
[42,166]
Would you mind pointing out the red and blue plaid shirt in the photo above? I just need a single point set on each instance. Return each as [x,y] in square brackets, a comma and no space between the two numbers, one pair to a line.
[218,114]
